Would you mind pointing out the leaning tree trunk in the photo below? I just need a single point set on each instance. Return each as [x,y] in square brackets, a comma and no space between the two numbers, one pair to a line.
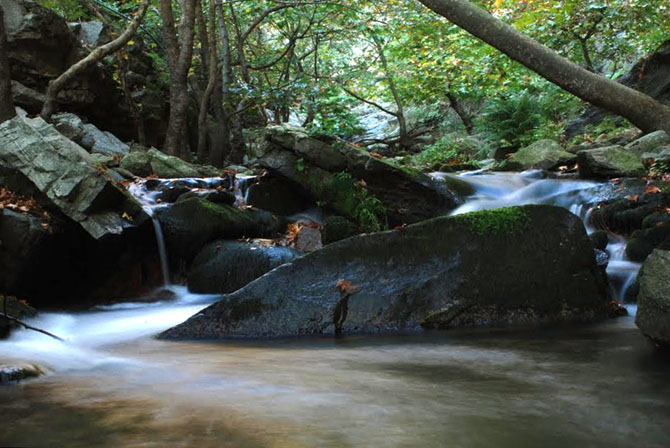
[642,110]
[7,110]
[93,57]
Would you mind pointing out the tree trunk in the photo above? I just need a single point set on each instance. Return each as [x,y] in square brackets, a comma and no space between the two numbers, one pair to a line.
[7,110]
[93,57]
[460,111]
[208,46]
[179,50]
[642,110]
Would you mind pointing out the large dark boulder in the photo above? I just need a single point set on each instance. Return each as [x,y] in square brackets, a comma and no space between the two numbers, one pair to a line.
[54,263]
[226,266]
[190,224]
[653,309]
[278,195]
[520,265]
[313,163]
[650,75]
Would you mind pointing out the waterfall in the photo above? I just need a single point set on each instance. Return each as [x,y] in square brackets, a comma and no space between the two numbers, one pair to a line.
[148,201]
[162,251]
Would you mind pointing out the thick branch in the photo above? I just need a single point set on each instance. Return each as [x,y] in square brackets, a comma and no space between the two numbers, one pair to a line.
[640,109]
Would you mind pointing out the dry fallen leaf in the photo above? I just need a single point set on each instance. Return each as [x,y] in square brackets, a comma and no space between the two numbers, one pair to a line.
[650,189]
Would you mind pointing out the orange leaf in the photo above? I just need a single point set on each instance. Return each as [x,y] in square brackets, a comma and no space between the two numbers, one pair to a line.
[650,189]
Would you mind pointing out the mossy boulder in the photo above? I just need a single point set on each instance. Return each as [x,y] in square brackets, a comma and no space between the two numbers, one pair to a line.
[543,154]
[520,266]
[649,143]
[189,224]
[653,312]
[336,228]
[226,266]
[315,162]
[643,242]
[153,161]
[610,161]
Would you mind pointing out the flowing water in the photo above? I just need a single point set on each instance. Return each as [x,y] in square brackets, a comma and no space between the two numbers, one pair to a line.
[111,384]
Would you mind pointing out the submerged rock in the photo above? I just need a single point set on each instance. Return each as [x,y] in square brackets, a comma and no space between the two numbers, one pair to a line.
[226,266]
[520,265]
[313,163]
[653,309]
[10,374]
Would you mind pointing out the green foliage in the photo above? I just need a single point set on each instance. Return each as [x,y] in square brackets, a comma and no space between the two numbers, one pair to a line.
[69,9]
[507,220]
[353,199]
[609,127]
[526,116]
[452,149]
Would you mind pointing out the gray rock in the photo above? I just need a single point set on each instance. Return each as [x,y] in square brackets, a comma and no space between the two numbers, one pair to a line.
[653,311]
[98,141]
[64,173]
[26,97]
[92,33]
[543,154]
[69,125]
[610,161]
[308,239]
[649,142]
[226,266]
[427,275]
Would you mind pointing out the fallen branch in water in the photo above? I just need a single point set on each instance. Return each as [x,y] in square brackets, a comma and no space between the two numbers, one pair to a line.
[29,327]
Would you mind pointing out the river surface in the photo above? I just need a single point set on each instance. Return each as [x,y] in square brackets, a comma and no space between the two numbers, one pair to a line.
[111,384]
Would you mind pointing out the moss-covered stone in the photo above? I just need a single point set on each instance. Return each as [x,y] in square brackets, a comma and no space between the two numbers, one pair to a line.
[336,228]
[191,223]
[653,312]
[610,161]
[437,273]
[505,220]
[543,154]
[600,239]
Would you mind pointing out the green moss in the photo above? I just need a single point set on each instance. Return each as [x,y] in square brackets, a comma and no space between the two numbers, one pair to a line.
[508,220]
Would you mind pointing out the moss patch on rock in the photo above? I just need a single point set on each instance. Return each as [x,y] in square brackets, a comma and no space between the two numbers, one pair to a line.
[507,220]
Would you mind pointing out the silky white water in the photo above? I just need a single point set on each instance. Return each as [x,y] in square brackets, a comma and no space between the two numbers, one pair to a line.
[111,384]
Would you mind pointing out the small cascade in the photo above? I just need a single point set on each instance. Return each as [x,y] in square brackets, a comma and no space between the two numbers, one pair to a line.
[149,201]
[241,187]
[495,190]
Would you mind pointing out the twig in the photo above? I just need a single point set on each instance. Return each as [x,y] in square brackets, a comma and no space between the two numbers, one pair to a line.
[29,327]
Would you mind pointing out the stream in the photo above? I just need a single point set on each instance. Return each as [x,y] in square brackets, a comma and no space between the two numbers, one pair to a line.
[111,384]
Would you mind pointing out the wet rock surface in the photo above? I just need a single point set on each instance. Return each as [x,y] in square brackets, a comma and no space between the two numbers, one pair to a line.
[653,312]
[428,275]
[226,266]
